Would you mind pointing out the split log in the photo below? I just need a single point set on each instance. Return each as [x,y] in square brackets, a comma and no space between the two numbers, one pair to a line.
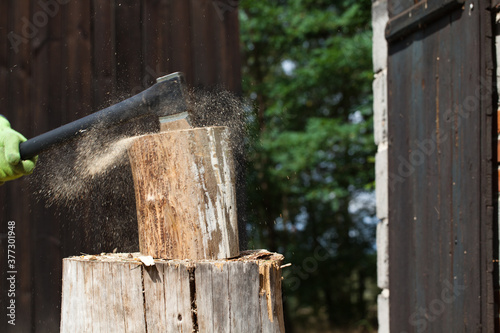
[185,194]
[117,293]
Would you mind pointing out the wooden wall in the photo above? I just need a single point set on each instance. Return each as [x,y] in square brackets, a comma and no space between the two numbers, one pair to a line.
[442,170]
[63,59]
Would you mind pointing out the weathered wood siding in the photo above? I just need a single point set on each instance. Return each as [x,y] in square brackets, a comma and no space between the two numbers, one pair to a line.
[441,170]
[79,57]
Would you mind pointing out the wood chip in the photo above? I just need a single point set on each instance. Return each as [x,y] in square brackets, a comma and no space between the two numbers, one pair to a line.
[147,260]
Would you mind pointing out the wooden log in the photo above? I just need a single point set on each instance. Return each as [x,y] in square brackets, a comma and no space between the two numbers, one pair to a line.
[117,293]
[185,194]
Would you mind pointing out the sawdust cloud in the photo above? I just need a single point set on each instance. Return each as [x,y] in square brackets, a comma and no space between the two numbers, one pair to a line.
[68,174]
[89,180]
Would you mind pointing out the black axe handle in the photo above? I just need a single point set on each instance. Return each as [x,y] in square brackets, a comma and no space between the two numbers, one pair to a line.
[164,98]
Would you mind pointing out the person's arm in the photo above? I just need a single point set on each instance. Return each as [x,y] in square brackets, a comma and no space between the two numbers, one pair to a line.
[11,165]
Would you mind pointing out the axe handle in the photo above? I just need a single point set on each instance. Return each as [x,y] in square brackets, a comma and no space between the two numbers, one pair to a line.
[154,100]
[128,109]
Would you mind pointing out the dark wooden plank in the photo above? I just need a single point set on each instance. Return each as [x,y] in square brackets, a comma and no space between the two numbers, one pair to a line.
[46,253]
[77,102]
[204,60]
[4,100]
[217,38]
[54,235]
[459,187]
[171,25]
[401,241]
[489,180]
[40,93]
[152,38]
[416,128]
[439,203]
[128,38]
[180,52]
[155,40]
[223,19]
[413,162]
[79,60]
[418,16]
[467,192]
[56,75]
[4,197]
[5,41]
[103,53]
[231,70]
[18,113]
[20,67]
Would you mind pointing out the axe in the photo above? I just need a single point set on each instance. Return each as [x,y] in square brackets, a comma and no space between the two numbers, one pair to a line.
[166,99]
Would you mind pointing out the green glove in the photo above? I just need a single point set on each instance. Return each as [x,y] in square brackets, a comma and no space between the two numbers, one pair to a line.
[11,166]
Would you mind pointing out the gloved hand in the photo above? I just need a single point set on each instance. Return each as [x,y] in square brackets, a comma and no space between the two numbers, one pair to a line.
[11,166]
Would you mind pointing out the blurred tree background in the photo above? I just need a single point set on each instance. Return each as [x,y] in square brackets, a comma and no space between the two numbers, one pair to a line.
[307,72]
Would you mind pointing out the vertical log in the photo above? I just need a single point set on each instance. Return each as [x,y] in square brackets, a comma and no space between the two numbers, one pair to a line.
[185,195]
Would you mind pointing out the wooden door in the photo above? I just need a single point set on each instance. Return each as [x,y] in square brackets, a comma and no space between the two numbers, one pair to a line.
[441,166]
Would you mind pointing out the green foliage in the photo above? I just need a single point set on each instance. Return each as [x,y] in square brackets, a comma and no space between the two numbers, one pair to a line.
[307,69]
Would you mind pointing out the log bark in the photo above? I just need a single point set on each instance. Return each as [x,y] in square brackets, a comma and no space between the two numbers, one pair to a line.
[117,293]
[185,194]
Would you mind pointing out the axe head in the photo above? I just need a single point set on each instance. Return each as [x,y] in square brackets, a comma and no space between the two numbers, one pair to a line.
[170,102]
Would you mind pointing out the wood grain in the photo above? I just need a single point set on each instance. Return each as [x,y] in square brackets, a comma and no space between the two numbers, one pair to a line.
[102,295]
[116,293]
[185,194]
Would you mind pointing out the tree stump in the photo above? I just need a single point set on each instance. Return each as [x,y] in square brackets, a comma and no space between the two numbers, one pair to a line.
[185,194]
[117,293]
